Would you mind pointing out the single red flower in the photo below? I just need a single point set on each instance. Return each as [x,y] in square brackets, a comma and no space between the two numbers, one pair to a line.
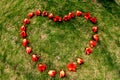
[35,58]
[62,74]
[30,15]
[88,50]
[96,37]
[79,61]
[23,28]
[65,18]
[78,13]
[68,17]
[52,73]
[44,13]
[60,19]
[87,15]
[38,12]
[41,67]
[71,67]
[28,50]
[92,43]
[26,21]
[71,14]
[95,29]
[25,42]
[23,34]
[93,20]
[50,16]
[54,19]
[57,17]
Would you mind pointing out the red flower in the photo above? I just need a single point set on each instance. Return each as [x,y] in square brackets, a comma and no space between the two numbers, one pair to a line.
[25,42]
[35,58]
[52,73]
[92,43]
[68,17]
[23,34]
[78,13]
[95,37]
[44,13]
[41,67]
[87,15]
[62,74]
[93,19]
[54,19]
[71,67]
[28,50]
[71,14]
[88,50]
[95,29]
[30,15]
[23,28]
[79,61]
[60,19]
[50,16]
[38,12]
[26,21]
[65,18]
[57,17]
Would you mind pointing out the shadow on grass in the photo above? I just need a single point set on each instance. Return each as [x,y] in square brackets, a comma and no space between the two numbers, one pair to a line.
[111,6]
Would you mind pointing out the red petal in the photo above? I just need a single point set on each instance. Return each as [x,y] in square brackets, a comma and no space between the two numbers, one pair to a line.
[92,43]
[87,15]
[79,61]
[26,21]
[52,73]
[23,28]
[23,34]
[50,16]
[35,58]
[62,74]
[95,29]
[28,50]
[38,12]
[25,42]
[93,20]
[30,15]
[88,50]
[41,67]
[78,13]
[96,37]
[71,14]
[44,13]
[71,67]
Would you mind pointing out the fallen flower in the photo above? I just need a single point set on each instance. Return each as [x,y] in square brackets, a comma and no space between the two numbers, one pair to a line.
[71,67]
[41,67]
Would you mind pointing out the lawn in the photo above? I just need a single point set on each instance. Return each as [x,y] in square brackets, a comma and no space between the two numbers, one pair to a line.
[57,44]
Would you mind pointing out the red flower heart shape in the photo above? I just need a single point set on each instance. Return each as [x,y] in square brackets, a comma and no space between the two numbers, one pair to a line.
[71,66]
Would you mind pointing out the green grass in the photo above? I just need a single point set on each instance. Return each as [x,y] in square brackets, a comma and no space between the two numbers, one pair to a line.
[65,41]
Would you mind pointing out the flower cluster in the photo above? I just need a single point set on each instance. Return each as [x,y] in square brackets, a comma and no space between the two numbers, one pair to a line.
[72,66]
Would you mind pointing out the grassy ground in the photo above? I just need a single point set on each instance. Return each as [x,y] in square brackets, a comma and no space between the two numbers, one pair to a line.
[64,41]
